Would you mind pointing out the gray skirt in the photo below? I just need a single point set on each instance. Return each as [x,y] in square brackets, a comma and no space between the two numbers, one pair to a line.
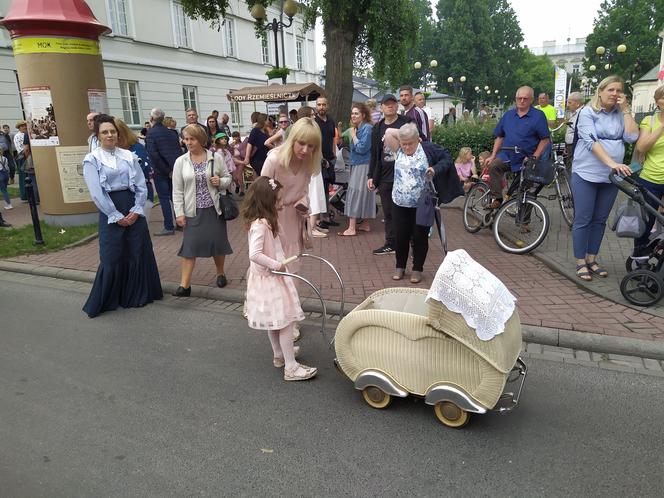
[360,202]
[205,235]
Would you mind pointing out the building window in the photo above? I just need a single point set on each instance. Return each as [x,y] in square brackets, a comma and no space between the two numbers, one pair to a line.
[236,117]
[230,37]
[119,18]
[299,53]
[576,68]
[189,97]
[181,26]
[266,50]
[130,107]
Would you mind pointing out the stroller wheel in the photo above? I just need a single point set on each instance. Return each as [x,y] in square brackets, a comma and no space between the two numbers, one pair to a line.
[632,264]
[451,415]
[642,287]
[376,398]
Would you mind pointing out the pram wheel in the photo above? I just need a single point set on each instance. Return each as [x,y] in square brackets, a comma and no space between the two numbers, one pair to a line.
[642,287]
[451,415]
[632,264]
[376,398]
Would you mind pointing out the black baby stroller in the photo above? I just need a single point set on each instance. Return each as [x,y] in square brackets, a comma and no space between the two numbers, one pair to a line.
[644,283]
[342,177]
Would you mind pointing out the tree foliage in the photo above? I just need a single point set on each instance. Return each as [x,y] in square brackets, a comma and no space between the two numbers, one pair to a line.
[635,23]
[536,71]
[377,33]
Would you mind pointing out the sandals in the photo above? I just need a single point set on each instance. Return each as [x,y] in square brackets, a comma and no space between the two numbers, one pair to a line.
[398,274]
[301,372]
[596,269]
[583,273]
[344,234]
[278,361]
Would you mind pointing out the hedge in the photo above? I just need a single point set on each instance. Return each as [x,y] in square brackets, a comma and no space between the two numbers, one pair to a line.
[478,137]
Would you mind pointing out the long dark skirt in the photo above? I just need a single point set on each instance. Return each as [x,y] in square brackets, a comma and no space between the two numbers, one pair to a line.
[127,275]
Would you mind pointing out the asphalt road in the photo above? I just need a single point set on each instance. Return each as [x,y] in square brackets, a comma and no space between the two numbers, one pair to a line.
[166,401]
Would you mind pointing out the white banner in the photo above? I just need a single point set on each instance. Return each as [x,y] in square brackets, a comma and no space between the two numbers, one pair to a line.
[560,92]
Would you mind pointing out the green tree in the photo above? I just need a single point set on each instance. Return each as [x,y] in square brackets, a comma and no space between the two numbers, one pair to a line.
[634,23]
[480,40]
[536,71]
[384,30]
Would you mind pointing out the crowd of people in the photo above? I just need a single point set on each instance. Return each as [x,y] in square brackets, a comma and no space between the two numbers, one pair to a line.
[293,163]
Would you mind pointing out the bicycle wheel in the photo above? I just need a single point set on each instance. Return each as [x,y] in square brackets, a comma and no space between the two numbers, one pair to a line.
[565,196]
[475,207]
[524,232]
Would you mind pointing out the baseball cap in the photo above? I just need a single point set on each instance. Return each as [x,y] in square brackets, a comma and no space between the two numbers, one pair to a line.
[388,97]
[220,135]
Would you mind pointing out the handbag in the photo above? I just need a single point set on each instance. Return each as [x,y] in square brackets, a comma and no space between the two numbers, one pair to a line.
[427,205]
[630,220]
[227,205]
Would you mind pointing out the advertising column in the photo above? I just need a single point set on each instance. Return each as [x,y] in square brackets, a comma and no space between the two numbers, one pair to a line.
[60,71]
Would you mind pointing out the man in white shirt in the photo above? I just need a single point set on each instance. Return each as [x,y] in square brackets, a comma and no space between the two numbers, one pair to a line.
[574,105]
[93,141]
[421,102]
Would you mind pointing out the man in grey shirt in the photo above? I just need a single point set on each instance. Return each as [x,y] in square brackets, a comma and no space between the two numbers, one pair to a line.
[574,105]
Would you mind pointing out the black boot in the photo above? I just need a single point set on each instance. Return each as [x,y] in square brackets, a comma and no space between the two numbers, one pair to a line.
[3,223]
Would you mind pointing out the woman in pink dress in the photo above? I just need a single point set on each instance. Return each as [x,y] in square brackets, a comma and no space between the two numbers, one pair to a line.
[272,302]
[292,165]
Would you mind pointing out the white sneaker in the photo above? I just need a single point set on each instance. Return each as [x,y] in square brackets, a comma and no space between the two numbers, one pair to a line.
[9,206]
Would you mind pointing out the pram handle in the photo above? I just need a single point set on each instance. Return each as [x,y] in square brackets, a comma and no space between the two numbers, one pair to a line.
[638,193]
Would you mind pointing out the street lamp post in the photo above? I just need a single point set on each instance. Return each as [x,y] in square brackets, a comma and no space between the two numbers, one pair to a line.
[288,7]
[432,65]
[606,58]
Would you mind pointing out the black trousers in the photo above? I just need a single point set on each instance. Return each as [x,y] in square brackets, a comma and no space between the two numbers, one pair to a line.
[405,230]
[385,192]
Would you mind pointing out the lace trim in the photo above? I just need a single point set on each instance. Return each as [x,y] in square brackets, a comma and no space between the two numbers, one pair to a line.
[466,287]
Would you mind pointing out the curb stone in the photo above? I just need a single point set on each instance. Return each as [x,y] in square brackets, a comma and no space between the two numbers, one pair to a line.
[531,334]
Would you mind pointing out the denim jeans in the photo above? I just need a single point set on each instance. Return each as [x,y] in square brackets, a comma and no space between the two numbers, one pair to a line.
[4,179]
[164,186]
[657,190]
[592,205]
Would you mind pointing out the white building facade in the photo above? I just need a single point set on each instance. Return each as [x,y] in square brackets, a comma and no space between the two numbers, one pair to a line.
[568,55]
[157,57]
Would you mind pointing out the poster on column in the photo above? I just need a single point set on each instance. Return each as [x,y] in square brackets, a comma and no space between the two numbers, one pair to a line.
[97,100]
[70,167]
[38,105]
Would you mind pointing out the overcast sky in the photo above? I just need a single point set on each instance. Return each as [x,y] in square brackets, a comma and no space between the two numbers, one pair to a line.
[539,20]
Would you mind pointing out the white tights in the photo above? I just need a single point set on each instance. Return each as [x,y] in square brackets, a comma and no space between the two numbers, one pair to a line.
[282,345]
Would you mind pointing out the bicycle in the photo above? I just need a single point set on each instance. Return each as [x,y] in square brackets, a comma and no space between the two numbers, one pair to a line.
[561,182]
[520,224]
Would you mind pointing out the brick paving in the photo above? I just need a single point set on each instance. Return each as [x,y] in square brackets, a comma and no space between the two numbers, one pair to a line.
[545,297]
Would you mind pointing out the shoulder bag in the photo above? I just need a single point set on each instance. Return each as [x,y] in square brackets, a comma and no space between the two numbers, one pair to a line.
[227,205]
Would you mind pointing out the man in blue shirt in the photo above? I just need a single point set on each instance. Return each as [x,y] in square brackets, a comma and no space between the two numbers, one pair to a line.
[523,127]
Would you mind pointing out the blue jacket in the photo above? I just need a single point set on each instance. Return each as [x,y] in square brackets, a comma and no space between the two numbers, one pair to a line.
[360,152]
[163,148]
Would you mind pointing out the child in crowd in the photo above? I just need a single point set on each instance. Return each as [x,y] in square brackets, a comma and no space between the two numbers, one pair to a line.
[272,302]
[221,147]
[484,165]
[465,166]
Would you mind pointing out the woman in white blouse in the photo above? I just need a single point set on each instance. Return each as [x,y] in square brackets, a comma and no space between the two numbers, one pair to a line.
[127,275]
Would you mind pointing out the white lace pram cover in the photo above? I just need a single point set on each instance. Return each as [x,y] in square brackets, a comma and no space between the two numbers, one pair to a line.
[464,286]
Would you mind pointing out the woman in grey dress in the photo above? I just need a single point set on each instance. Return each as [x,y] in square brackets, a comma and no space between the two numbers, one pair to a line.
[360,201]
[199,177]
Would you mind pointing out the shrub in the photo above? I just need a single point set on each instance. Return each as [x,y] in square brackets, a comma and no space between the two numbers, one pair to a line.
[477,136]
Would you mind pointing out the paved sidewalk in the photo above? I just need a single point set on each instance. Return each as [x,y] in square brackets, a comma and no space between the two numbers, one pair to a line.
[545,297]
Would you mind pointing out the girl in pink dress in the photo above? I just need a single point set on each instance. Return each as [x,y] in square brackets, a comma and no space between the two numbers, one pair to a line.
[272,302]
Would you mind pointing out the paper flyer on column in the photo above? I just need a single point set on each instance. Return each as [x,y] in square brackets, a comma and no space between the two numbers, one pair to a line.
[42,126]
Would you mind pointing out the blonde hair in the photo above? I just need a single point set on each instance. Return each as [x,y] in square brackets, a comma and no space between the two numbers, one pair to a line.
[484,154]
[596,101]
[197,133]
[304,130]
[465,155]
[170,122]
[659,93]
[126,137]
